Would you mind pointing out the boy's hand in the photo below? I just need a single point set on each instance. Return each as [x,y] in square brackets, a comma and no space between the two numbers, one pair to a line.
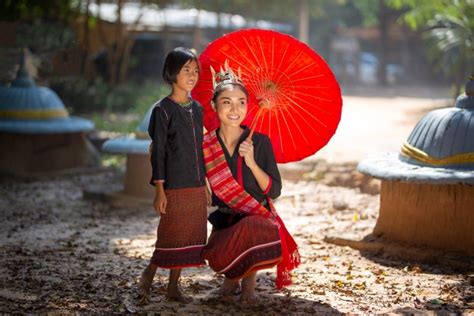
[160,202]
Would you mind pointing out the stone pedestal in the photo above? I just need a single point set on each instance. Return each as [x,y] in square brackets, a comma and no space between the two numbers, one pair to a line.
[30,153]
[440,216]
[137,177]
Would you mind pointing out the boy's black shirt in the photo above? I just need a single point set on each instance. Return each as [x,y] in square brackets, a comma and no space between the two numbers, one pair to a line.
[177,135]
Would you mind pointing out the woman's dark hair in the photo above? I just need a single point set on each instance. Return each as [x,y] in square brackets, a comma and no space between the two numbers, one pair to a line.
[175,60]
[221,88]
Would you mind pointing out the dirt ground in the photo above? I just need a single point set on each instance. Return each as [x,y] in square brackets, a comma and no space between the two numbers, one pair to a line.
[61,253]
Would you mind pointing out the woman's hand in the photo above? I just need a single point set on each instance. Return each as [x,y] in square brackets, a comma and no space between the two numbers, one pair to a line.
[160,202]
[246,151]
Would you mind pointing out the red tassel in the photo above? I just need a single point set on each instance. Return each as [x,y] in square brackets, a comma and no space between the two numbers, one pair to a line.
[290,257]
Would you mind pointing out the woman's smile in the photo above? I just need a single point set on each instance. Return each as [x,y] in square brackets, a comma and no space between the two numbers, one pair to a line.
[231,107]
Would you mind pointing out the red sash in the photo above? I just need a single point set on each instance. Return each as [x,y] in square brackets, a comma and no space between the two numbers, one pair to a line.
[226,188]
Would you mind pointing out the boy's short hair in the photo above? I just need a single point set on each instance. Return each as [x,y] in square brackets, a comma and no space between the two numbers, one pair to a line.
[175,60]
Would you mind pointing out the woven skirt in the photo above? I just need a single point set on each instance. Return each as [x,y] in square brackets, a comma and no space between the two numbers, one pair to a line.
[251,244]
[182,231]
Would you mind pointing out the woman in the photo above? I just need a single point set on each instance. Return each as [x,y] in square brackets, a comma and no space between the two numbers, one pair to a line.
[247,234]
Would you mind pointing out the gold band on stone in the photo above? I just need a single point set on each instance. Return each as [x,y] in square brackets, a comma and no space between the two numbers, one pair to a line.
[33,114]
[141,135]
[414,153]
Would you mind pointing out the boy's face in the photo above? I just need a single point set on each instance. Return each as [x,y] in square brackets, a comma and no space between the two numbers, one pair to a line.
[187,77]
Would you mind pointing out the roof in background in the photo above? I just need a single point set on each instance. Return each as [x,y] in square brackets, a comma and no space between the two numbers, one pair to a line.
[154,18]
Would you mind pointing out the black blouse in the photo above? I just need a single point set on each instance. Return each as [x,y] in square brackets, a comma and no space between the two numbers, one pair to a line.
[265,159]
[177,134]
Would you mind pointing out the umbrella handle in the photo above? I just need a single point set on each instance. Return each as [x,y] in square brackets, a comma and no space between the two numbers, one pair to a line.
[263,103]
[254,124]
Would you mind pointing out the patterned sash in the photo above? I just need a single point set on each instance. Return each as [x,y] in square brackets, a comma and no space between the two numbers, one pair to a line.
[226,188]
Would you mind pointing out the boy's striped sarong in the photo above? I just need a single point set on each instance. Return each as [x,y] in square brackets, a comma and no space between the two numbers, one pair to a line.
[182,231]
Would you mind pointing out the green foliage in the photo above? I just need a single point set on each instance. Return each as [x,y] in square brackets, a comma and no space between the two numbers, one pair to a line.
[44,37]
[114,161]
[26,10]
[368,10]
[112,108]
[42,26]
[96,96]
[115,122]
[420,12]
[448,27]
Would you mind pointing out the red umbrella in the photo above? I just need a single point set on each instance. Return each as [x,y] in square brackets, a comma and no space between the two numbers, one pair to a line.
[301,95]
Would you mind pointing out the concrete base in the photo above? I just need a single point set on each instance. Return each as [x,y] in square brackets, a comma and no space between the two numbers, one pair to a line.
[382,248]
[136,189]
[117,198]
[436,216]
[137,177]
[23,153]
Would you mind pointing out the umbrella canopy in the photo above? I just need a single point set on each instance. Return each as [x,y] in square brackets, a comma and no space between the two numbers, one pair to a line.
[301,97]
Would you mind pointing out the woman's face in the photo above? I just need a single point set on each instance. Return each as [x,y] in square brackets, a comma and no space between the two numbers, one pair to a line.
[231,106]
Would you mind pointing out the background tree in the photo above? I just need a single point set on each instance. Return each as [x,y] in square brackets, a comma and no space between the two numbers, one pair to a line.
[41,26]
[448,31]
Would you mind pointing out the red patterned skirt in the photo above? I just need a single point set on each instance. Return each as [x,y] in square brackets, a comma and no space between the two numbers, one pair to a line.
[249,245]
[182,231]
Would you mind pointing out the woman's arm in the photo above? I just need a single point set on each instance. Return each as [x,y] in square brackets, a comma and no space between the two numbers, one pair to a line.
[246,150]
[267,175]
[273,190]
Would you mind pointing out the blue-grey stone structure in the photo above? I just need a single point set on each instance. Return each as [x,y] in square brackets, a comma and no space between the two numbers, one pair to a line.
[138,170]
[443,135]
[427,189]
[36,132]
[28,109]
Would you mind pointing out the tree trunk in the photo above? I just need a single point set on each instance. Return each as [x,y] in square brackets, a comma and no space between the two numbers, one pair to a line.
[218,8]
[86,38]
[197,36]
[382,43]
[114,50]
[304,21]
[125,60]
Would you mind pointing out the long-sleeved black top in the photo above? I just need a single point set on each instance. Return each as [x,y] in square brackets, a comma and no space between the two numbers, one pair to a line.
[177,133]
[265,159]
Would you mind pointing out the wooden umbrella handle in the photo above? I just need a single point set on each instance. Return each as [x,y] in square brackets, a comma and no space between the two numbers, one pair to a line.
[262,104]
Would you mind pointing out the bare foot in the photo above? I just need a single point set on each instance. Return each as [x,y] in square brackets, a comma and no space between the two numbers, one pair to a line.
[144,286]
[248,295]
[174,294]
[229,287]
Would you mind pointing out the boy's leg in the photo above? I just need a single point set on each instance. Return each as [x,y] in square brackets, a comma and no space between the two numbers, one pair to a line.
[173,292]
[248,288]
[146,280]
